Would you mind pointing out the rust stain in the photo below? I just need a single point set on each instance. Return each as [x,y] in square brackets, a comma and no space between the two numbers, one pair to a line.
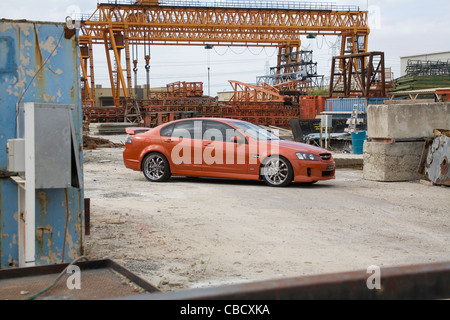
[41,233]
[72,251]
[12,263]
[72,95]
[69,33]
[14,241]
[39,61]
[66,193]
[444,166]
[437,166]
[43,201]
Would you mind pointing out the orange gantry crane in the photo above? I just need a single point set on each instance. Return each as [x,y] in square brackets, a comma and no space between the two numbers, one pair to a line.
[120,26]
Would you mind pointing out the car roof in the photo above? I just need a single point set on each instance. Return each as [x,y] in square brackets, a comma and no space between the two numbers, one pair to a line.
[207,118]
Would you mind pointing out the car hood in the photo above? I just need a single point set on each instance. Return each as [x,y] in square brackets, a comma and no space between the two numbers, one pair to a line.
[299,147]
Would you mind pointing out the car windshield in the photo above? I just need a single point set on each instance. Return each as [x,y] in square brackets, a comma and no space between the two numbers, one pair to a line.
[255,132]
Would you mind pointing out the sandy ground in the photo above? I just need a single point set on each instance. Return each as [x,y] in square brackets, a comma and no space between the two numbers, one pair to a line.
[190,233]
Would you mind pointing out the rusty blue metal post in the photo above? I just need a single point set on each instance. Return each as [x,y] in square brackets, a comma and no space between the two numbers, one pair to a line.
[39,63]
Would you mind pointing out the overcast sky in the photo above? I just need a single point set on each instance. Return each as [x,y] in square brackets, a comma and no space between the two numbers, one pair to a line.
[398,28]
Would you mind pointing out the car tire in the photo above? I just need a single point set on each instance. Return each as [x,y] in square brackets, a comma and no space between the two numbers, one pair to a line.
[276,171]
[156,168]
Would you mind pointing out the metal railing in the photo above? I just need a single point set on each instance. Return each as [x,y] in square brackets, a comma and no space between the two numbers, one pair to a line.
[234,4]
[250,4]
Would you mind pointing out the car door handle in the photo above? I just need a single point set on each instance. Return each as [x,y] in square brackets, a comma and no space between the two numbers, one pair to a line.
[168,140]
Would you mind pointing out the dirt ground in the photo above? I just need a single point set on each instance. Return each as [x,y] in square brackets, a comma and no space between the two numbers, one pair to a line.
[191,233]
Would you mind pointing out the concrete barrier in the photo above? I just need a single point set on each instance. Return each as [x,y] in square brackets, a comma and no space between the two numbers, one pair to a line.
[396,139]
[392,162]
[405,121]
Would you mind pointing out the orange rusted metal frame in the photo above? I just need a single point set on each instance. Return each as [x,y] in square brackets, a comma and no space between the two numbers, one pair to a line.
[361,74]
[185,89]
[146,22]
[294,85]
[443,94]
[247,92]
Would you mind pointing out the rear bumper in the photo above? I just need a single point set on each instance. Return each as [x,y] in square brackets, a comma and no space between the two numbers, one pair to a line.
[130,162]
[309,171]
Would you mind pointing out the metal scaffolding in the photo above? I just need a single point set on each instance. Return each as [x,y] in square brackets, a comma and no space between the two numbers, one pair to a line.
[293,66]
[427,68]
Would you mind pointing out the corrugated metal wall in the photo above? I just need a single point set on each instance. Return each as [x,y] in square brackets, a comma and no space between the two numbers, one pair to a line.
[39,63]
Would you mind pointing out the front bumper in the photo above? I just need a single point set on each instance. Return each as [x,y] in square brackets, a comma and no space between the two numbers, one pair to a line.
[309,171]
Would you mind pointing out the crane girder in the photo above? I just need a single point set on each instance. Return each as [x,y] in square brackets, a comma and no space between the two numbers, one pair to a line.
[118,26]
[219,26]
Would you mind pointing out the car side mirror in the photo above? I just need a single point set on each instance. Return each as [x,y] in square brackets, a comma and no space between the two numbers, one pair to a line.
[236,139]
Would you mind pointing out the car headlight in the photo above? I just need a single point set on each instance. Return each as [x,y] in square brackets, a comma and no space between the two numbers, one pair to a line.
[129,139]
[307,156]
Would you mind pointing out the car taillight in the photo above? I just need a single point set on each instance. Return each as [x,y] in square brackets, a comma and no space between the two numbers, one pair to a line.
[129,139]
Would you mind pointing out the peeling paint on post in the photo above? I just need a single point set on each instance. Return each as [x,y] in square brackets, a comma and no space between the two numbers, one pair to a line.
[8,224]
[1,225]
[38,63]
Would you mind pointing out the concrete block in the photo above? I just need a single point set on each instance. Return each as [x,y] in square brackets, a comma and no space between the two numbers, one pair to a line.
[421,101]
[348,160]
[390,162]
[99,129]
[405,121]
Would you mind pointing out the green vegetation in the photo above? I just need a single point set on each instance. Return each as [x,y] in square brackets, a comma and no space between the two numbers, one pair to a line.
[320,91]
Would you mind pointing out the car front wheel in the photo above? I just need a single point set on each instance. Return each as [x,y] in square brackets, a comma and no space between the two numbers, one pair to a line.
[156,168]
[277,171]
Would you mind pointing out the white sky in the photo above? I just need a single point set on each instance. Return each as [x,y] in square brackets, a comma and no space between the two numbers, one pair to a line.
[399,28]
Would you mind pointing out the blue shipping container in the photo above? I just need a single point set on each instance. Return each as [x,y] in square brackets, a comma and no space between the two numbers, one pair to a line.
[342,108]
[39,63]
[345,105]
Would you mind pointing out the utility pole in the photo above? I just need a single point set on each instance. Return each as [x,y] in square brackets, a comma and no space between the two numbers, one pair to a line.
[209,47]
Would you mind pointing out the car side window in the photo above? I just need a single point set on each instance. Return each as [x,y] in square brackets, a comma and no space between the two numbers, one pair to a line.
[188,129]
[218,131]
[166,131]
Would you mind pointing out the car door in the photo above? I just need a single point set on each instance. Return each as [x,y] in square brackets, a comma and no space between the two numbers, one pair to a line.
[183,145]
[224,149]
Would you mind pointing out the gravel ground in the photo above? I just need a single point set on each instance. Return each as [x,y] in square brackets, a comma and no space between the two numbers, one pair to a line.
[191,233]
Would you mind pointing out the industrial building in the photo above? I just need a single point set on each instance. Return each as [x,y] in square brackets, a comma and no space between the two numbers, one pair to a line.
[443,57]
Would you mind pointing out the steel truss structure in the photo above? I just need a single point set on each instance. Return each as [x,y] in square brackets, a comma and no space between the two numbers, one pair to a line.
[120,25]
[360,74]
[427,68]
[293,66]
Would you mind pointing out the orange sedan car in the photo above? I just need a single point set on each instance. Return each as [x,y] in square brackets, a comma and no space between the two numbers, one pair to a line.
[223,148]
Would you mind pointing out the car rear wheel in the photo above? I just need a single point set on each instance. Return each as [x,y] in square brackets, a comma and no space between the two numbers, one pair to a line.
[156,168]
[277,171]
